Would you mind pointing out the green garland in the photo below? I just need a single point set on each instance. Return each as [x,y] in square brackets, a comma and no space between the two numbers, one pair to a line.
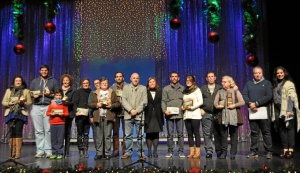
[175,7]
[250,21]
[18,11]
[213,13]
[52,9]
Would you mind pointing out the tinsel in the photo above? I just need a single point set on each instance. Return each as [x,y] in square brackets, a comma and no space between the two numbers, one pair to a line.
[175,7]
[213,13]
[18,10]
[52,9]
[250,18]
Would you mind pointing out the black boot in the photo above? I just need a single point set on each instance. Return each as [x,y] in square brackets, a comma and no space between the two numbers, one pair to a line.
[81,153]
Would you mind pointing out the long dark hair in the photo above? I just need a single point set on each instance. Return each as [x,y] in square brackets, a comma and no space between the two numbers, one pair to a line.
[192,88]
[24,85]
[287,76]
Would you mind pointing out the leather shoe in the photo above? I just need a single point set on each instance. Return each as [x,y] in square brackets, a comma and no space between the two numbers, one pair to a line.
[115,155]
[232,157]
[107,157]
[155,155]
[97,157]
[208,155]
[149,155]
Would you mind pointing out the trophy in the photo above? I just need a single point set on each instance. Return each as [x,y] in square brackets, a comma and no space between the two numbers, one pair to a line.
[22,98]
[65,98]
[47,90]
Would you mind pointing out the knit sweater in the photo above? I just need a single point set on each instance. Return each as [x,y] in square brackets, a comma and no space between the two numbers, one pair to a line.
[57,119]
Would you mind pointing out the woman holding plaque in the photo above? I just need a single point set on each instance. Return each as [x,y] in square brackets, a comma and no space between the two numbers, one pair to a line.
[104,102]
[16,101]
[192,100]
[227,100]
[154,118]
[286,110]
[80,101]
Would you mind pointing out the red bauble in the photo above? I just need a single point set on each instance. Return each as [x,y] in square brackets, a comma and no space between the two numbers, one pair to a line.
[213,37]
[175,23]
[19,49]
[252,61]
[50,27]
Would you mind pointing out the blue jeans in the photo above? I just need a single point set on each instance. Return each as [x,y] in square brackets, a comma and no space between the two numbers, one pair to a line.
[42,128]
[57,138]
[170,137]
[129,125]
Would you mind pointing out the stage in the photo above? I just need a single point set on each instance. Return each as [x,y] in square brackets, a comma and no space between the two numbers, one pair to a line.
[241,161]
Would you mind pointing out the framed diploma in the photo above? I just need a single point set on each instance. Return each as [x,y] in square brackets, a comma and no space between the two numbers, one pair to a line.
[57,111]
[173,110]
[119,93]
[83,111]
[187,103]
[106,101]
[35,92]
[13,99]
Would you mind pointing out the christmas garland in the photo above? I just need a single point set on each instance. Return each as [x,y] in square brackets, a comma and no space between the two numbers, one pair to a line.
[250,22]
[213,13]
[18,10]
[52,9]
[175,7]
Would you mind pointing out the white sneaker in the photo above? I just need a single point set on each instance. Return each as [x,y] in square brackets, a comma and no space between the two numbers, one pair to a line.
[39,155]
[169,155]
[48,155]
[181,155]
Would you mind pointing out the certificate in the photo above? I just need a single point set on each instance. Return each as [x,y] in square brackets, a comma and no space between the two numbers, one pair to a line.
[187,103]
[119,93]
[35,92]
[57,111]
[173,110]
[83,111]
[261,114]
[13,99]
[105,101]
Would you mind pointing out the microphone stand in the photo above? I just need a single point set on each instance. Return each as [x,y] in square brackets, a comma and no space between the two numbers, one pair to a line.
[141,159]
[11,159]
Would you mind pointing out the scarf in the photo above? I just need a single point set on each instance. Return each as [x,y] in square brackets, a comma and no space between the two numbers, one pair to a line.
[16,92]
[57,101]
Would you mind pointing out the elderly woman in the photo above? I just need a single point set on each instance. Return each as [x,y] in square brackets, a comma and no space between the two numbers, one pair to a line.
[227,100]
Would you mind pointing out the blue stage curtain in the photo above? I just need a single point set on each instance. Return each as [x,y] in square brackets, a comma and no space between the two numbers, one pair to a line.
[186,50]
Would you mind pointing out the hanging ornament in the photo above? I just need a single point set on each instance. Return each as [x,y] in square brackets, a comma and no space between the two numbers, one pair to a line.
[252,61]
[213,37]
[175,23]
[50,27]
[19,49]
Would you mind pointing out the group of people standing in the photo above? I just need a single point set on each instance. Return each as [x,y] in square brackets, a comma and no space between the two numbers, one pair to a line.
[148,108]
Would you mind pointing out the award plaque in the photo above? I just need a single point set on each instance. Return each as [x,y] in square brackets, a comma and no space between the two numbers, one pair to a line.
[119,93]
[187,103]
[83,111]
[106,101]
[173,110]
[13,99]
[35,92]
[57,112]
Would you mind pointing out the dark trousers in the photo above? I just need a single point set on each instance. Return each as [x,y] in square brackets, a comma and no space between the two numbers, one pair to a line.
[193,130]
[116,136]
[287,133]
[221,135]
[57,138]
[68,126]
[265,127]
[83,130]
[16,128]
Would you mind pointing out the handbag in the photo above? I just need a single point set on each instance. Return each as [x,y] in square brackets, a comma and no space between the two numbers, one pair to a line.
[239,115]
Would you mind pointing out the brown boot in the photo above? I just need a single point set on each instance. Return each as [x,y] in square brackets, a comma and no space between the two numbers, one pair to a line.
[192,152]
[19,142]
[12,144]
[197,153]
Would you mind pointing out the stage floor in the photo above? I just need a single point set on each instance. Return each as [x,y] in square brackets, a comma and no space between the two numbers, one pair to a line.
[241,161]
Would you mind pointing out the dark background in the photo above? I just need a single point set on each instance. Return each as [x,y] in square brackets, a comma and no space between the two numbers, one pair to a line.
[283,47]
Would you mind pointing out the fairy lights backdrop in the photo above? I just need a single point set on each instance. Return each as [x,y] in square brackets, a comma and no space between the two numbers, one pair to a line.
[97,38]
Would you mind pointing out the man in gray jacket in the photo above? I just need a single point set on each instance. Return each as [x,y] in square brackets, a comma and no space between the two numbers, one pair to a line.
[172,96]
[134,101]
